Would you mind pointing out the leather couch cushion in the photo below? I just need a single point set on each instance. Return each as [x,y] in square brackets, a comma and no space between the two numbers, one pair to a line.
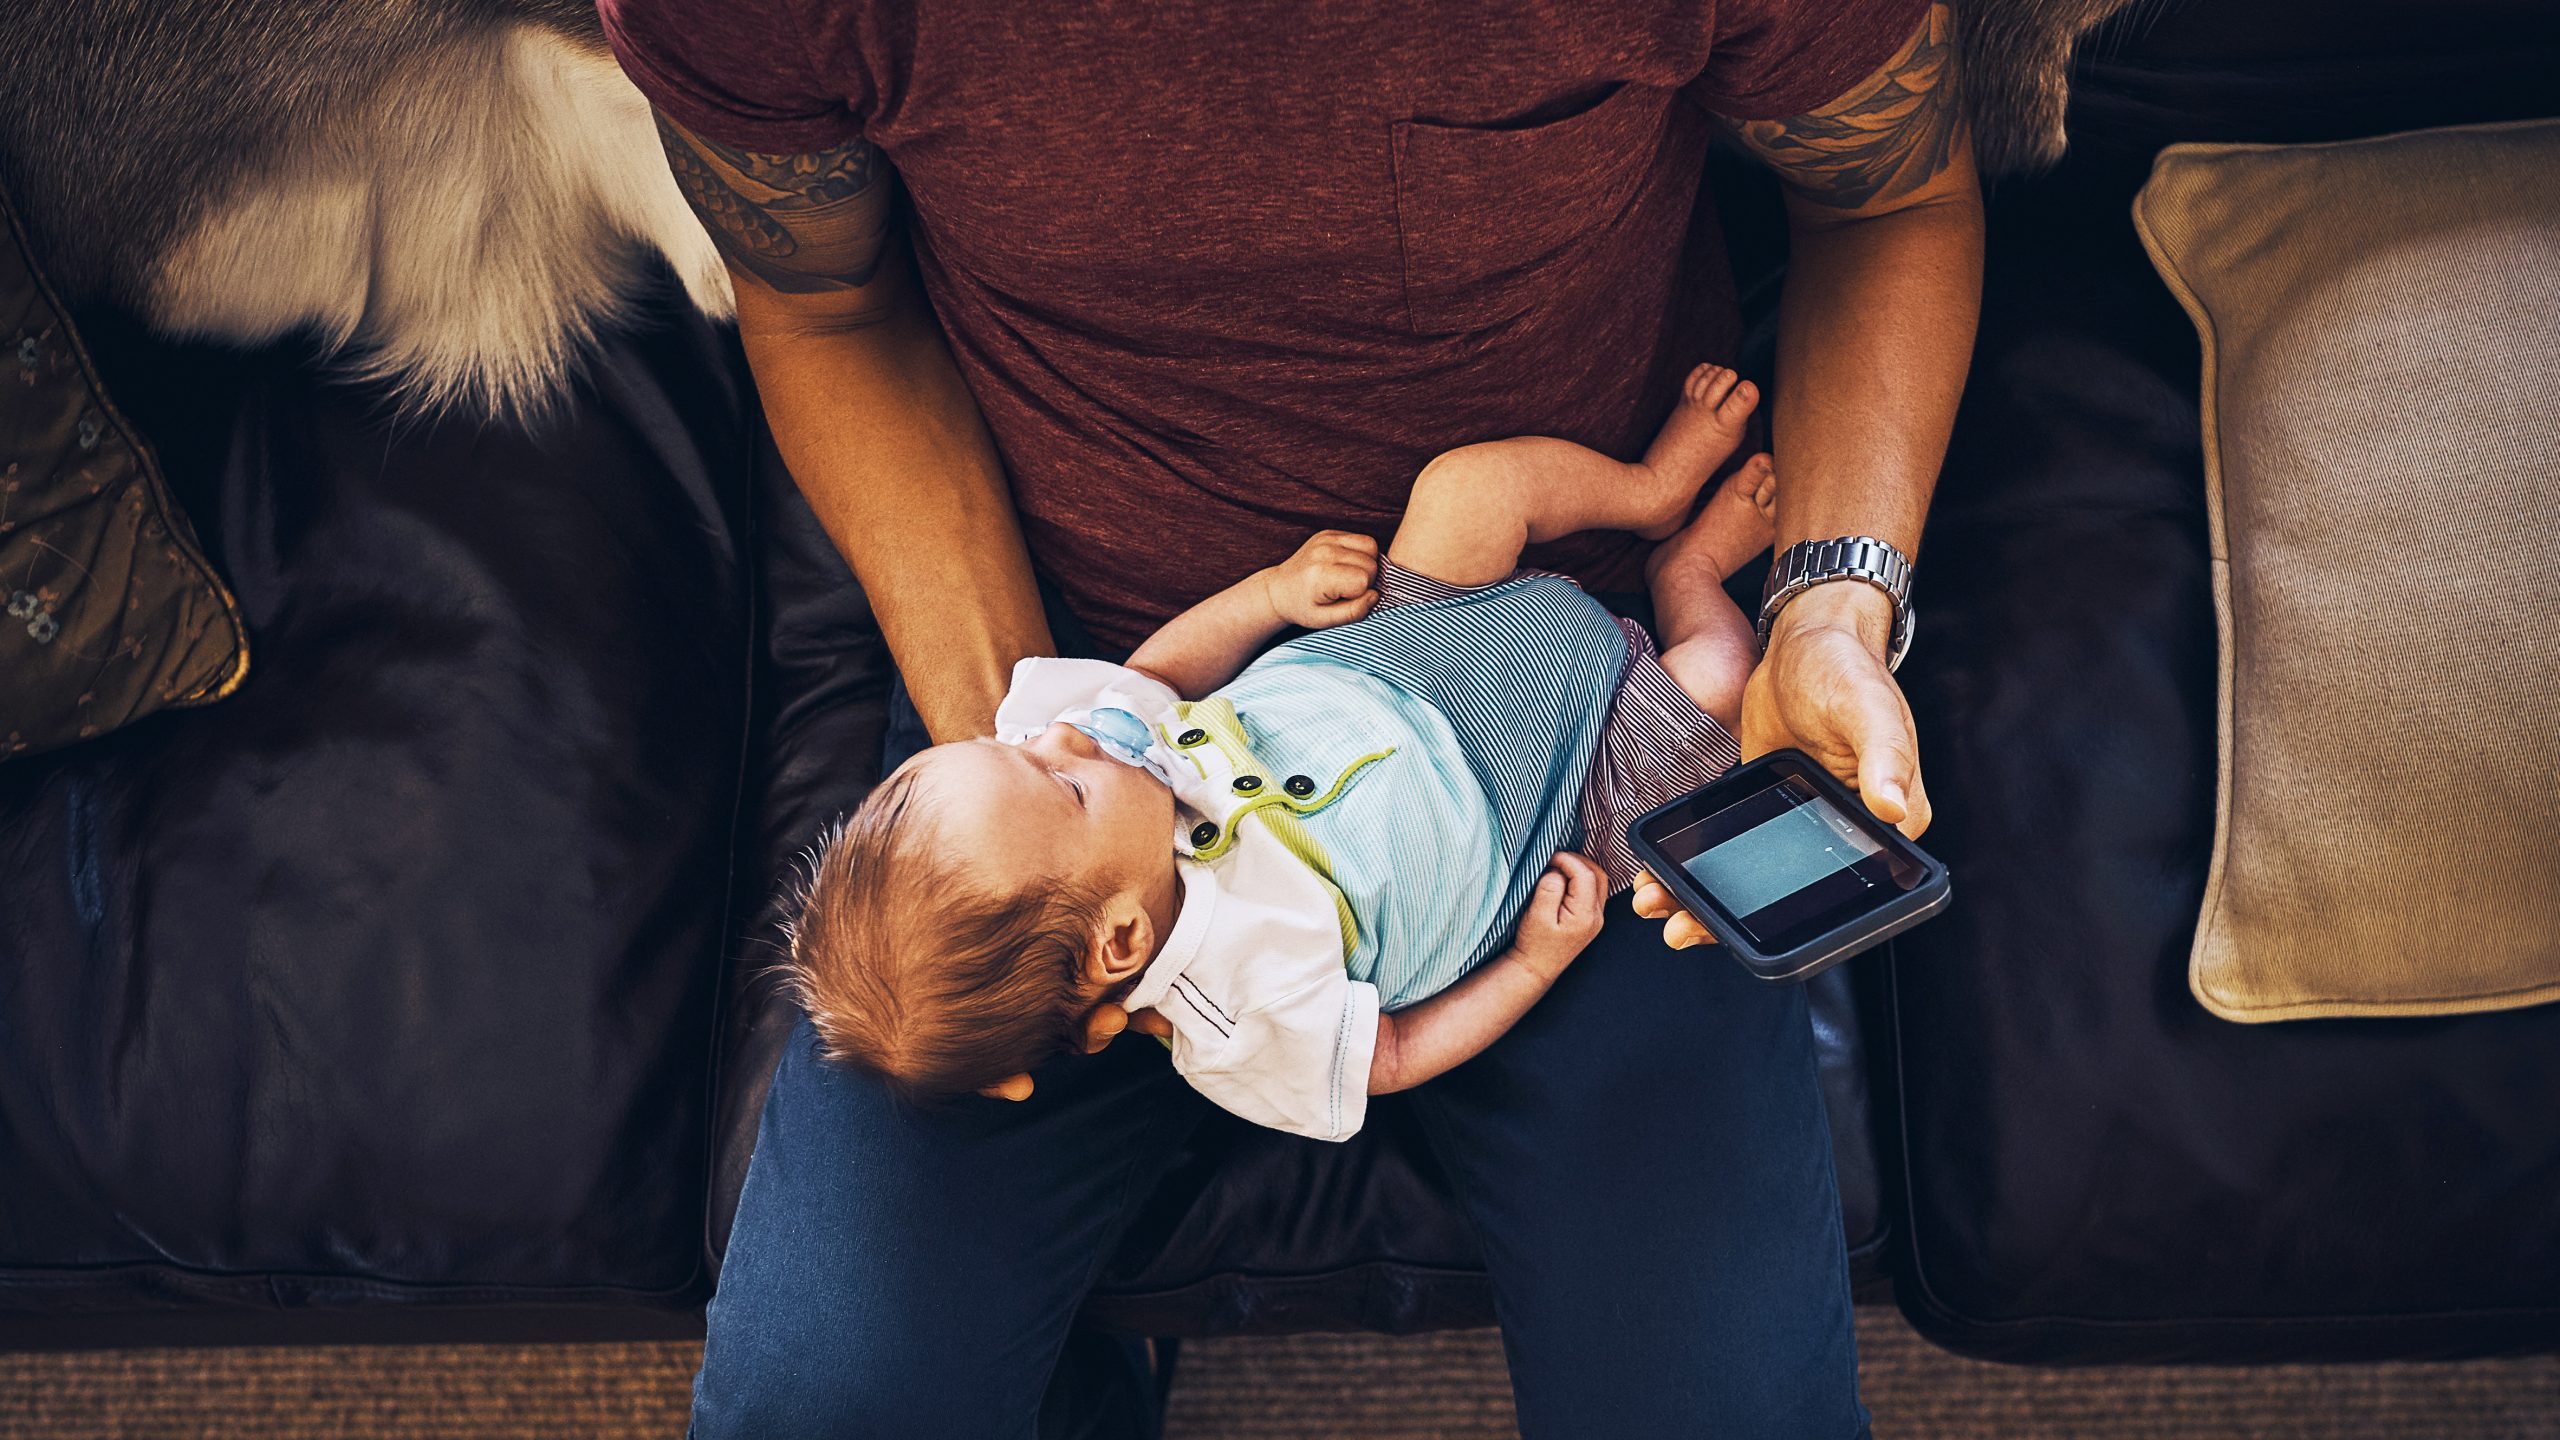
[2382,469]
[392,978]
[2092,1167]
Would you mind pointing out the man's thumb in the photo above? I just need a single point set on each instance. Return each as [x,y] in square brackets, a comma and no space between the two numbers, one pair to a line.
[1884,778]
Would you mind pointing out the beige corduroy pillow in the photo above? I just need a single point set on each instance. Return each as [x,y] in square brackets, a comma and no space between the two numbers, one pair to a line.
[2381,325]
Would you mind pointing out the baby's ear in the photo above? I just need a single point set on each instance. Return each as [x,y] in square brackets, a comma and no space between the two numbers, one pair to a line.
[1124,941]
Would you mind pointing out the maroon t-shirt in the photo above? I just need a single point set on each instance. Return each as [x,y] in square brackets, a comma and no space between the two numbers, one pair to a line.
[1221,279]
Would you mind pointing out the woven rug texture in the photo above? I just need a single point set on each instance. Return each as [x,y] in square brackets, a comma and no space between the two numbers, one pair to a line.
[1429,1387]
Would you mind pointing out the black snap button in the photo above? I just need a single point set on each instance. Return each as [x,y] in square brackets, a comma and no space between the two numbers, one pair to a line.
[1299,785]
[1203,835]
[1247,784]
[1192,736]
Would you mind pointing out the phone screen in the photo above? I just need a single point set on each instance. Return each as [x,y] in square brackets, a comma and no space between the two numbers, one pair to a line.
[1784,864]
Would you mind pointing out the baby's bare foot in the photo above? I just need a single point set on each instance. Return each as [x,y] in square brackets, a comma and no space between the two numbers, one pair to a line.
[1702,433]
[1737,522]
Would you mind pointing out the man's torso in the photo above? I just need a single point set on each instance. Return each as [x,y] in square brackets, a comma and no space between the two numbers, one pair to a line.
[1215,286]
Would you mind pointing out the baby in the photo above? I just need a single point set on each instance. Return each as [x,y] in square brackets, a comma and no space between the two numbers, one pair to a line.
[1343,870]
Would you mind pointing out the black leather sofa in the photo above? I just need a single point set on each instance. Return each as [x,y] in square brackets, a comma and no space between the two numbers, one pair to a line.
[418,991]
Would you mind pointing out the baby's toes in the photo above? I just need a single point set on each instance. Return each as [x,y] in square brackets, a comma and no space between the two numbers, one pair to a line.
[1763,477]
[1736,404]
[1709,385]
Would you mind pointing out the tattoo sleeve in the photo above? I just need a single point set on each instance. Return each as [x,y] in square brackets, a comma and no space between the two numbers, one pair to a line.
[1880,143]
[802,224]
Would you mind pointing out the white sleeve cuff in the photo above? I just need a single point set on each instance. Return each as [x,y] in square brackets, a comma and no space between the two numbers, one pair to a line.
[1356,1051]
[1045,689]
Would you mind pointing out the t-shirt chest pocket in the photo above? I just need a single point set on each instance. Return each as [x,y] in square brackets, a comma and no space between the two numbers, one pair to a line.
[1486,215]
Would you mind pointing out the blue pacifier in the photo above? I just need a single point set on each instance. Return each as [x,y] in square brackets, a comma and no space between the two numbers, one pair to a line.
[1123,736]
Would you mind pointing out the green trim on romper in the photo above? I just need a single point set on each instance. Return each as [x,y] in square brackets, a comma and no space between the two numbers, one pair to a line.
[1215,721]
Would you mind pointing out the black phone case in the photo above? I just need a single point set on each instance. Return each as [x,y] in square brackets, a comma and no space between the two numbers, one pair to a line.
[1805,961]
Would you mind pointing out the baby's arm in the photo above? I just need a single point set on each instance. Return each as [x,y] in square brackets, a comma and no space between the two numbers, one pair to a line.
[1330,581]
[1454,1025]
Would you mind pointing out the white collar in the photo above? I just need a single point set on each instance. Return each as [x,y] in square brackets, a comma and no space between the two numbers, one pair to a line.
[1181,943]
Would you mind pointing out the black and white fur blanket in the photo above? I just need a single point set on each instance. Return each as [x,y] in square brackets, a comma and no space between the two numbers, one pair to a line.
[455,194]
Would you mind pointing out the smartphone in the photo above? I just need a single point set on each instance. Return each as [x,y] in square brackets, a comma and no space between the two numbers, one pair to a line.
[1787,867]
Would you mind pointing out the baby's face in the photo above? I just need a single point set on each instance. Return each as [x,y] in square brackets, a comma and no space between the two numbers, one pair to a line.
[1055,804]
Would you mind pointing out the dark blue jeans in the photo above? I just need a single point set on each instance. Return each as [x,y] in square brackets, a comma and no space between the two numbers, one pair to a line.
[1644,1157]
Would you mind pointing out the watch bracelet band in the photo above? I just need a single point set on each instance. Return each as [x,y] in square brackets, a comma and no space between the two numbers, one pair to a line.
[1808,563]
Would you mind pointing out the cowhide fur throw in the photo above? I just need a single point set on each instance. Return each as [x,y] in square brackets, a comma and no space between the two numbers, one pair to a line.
[455,194]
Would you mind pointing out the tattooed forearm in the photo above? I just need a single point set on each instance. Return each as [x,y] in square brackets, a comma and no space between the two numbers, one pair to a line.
[1881,142]
[799,223]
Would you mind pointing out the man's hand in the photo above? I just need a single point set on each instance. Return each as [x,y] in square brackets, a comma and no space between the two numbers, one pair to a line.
[1101,1027]
[1824,689]
[1332,580]
[1564,913]
[1680,929]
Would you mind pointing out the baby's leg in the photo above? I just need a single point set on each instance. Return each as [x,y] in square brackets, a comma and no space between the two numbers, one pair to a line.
[1475,508]
[1708,645]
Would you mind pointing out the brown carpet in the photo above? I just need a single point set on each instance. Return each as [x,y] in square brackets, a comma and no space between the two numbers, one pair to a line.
[1446,1387]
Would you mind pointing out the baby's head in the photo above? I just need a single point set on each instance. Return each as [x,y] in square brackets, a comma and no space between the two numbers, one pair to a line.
[961,926]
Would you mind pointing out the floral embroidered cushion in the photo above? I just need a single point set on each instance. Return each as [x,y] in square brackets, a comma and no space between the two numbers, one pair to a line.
[108,608]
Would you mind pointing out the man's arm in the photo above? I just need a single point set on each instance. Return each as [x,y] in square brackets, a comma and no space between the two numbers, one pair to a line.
[871,414]
[1875,333]
[1876,327]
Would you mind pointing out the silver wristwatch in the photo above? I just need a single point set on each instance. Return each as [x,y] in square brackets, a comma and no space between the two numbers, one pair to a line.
[1808,563]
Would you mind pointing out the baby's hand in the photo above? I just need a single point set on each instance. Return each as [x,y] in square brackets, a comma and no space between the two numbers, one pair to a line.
[1332,580]
[1564,913]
